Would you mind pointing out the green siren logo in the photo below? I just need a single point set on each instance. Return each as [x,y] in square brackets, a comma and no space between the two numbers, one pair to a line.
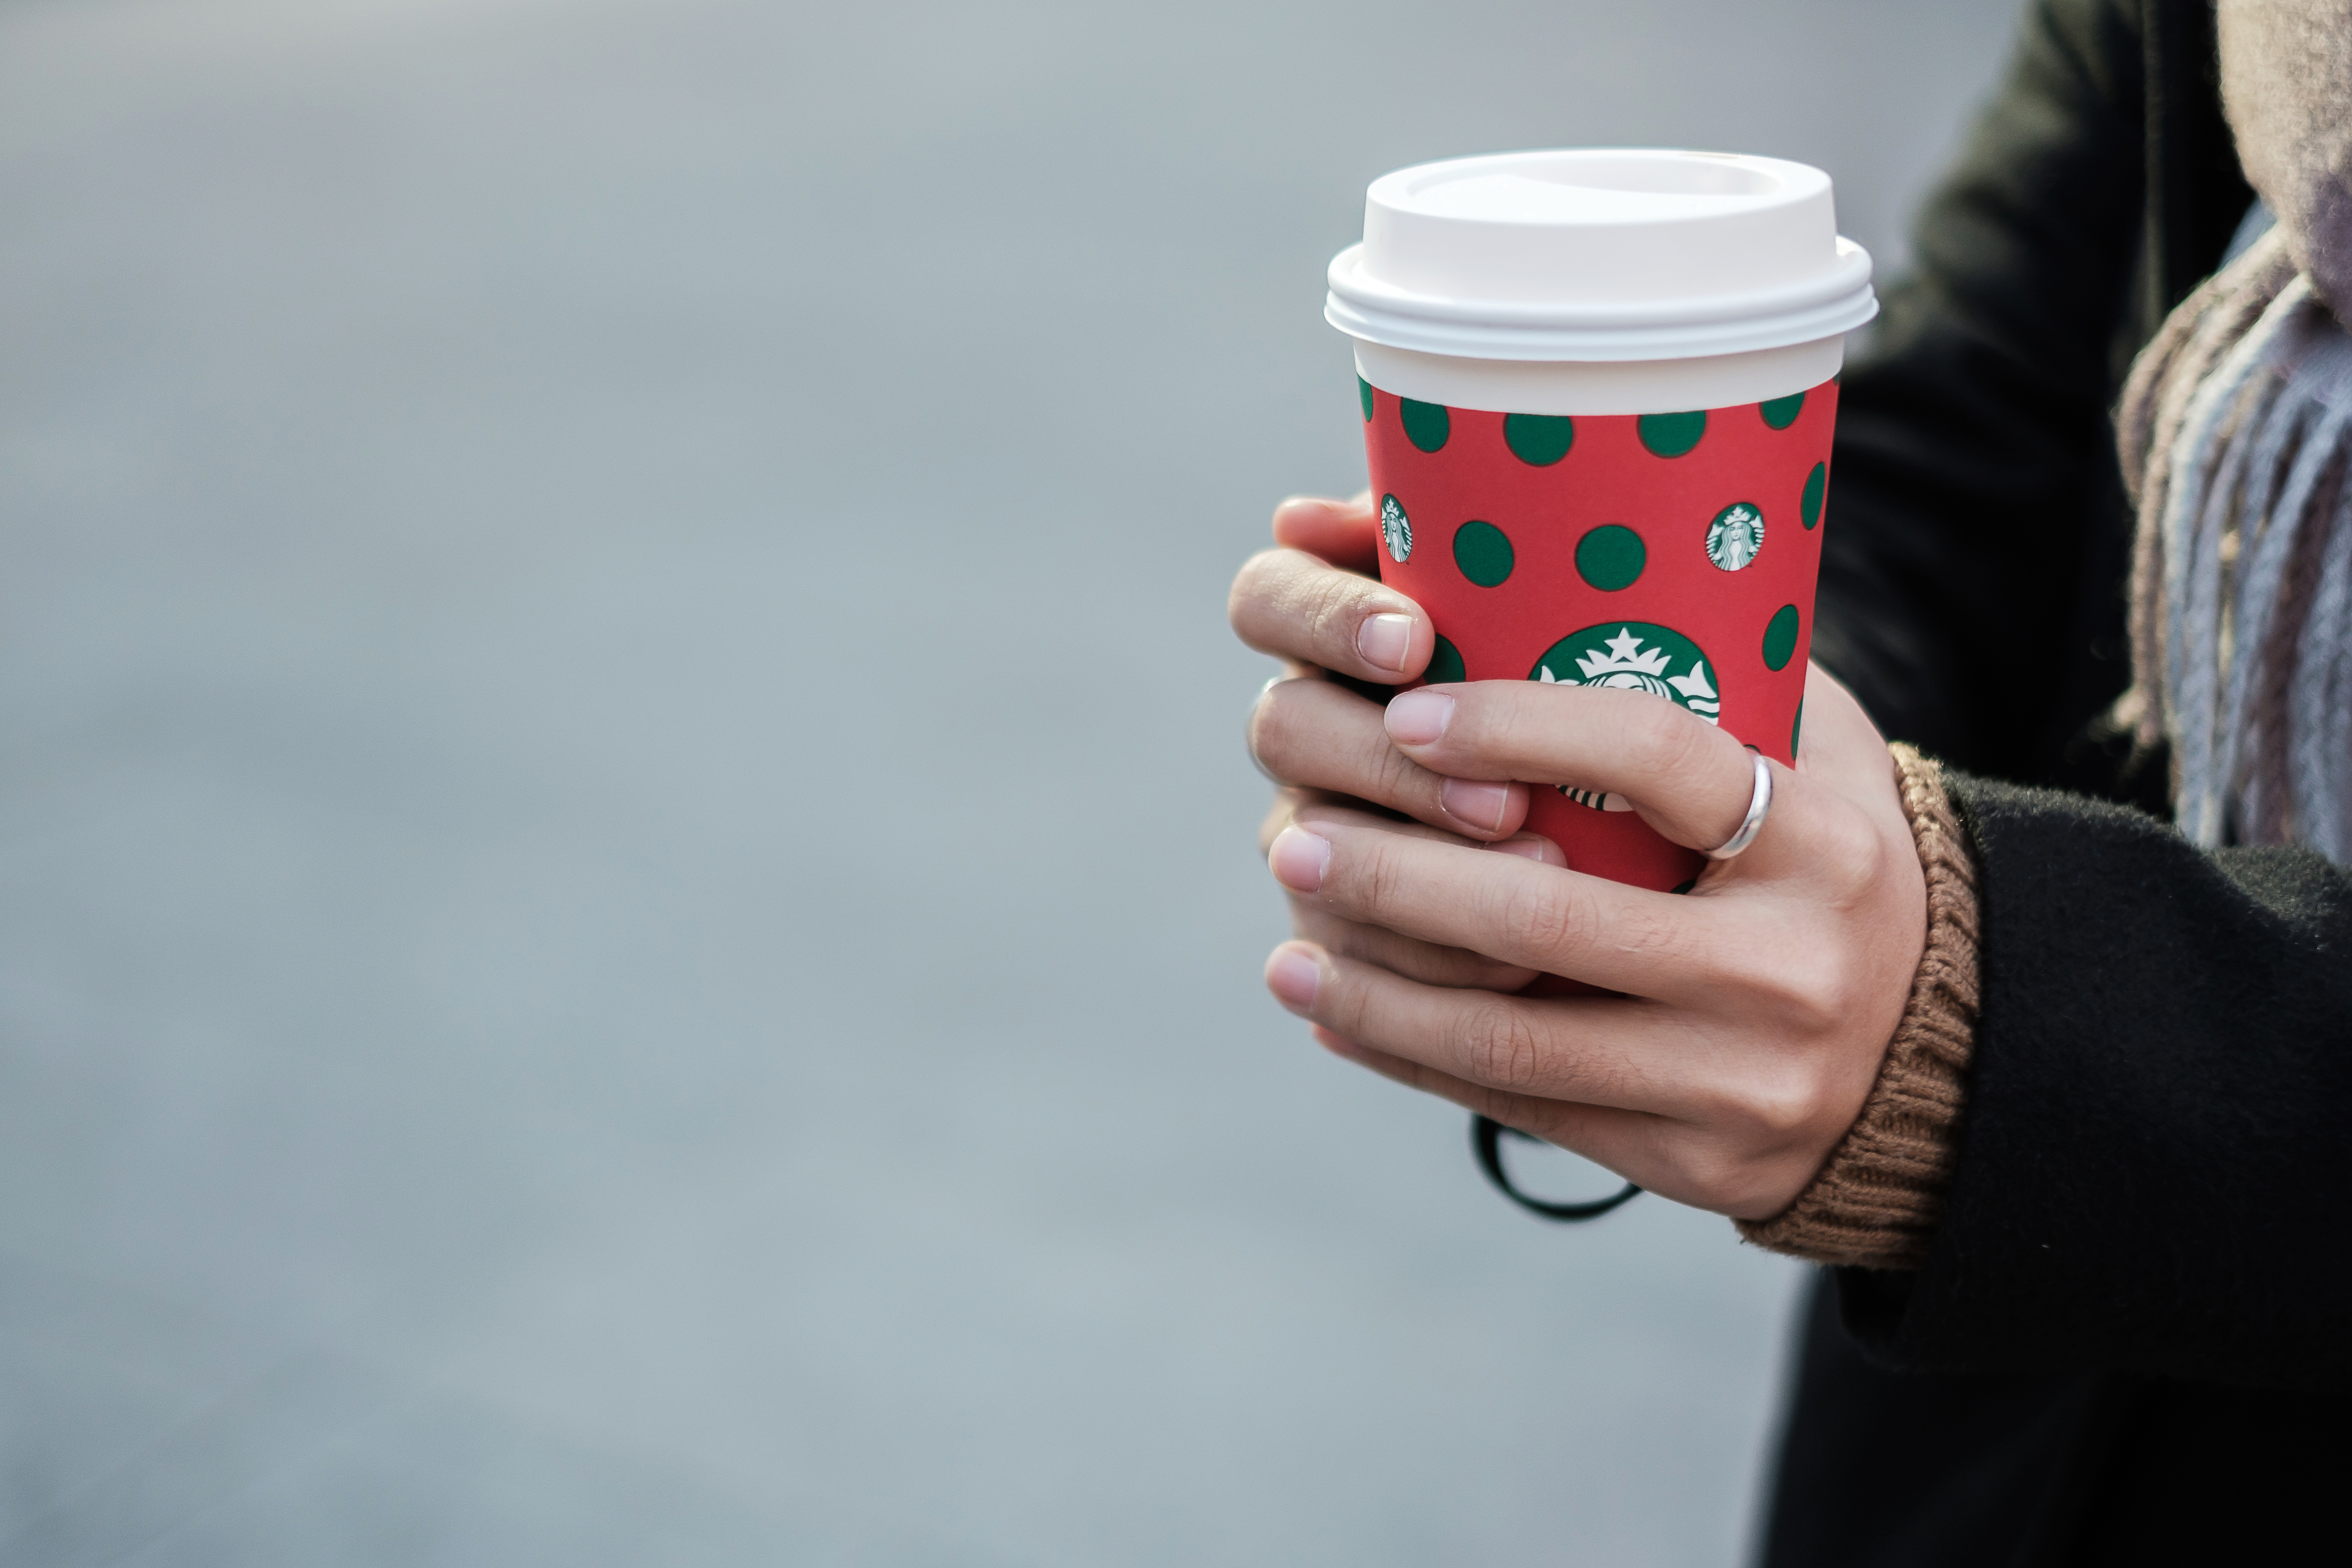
[1736,536]
[1634,657]
[1395,529]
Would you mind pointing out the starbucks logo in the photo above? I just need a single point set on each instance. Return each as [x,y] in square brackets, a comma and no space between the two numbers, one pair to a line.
[1634,657]
[1395,529]
[1735,536]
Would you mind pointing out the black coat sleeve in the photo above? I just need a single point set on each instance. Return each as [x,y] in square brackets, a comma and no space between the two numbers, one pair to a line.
[1974,502]
[2153,1175]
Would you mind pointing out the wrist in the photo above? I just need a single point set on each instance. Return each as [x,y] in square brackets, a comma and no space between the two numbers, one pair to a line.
[1875,1201]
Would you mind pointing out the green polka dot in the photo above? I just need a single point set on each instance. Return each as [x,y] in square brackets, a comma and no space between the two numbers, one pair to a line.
[1364,395]
[1782,412]
[1796,728]
[1542,439]
[1427,425]
[1780,638]
[1817,484]
[1444,665]
[1484,553]
[1671,434]
[1611,557]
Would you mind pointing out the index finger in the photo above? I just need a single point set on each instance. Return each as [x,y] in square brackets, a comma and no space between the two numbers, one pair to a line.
[1688,779]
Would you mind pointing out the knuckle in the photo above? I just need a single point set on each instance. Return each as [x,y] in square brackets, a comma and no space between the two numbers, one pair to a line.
[1812,990]
[1660,738]
[1399,780]
[1331,614]
[1498,1047]
[1250,591]
[1751,1128]
[1792,973]
[1678,742]
[1638,932]
[1535,919]
[1378,880]
[1850,857]
[1784,1104]
[1712,1175]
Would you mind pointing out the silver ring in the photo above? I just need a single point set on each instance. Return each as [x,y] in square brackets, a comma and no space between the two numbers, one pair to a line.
[1752,824]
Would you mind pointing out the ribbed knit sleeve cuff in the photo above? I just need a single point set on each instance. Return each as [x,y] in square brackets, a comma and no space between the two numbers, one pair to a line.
[1875,1203]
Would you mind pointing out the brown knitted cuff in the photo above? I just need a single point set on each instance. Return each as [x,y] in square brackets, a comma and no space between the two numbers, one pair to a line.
[1875,1203]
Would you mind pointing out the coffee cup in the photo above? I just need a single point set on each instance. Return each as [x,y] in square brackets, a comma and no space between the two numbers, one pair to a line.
[1599,387]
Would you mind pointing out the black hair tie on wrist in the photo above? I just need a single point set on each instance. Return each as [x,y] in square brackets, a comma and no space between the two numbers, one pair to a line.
[1486,1143]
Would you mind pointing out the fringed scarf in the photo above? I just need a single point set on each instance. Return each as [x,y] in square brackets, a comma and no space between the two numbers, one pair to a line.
[2235,433]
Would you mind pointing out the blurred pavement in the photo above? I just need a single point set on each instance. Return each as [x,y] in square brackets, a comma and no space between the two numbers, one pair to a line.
[628,931]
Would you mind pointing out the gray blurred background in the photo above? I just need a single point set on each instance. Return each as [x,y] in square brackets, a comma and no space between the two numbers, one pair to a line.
[628,925]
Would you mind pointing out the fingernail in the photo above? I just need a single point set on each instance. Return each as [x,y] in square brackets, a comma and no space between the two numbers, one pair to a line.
[1298,859]
[1385,640]
[1418,718]
[1542,851]
[1479,805]
[1293,977]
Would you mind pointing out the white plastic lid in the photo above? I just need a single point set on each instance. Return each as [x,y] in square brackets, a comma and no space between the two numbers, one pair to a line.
[1606,254]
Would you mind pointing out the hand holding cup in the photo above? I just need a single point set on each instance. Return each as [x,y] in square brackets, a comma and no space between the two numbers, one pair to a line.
[1752,1013]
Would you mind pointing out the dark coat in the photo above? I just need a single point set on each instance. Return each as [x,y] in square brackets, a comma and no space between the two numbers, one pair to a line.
[2129,1342]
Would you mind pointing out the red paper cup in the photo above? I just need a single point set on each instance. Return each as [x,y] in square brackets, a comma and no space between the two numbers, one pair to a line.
[1672,554]
[1598,391]
[1599,387]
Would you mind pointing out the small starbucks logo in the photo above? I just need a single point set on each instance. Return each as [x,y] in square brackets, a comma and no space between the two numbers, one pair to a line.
[1637,657]
[1735,536]
[1396,529]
